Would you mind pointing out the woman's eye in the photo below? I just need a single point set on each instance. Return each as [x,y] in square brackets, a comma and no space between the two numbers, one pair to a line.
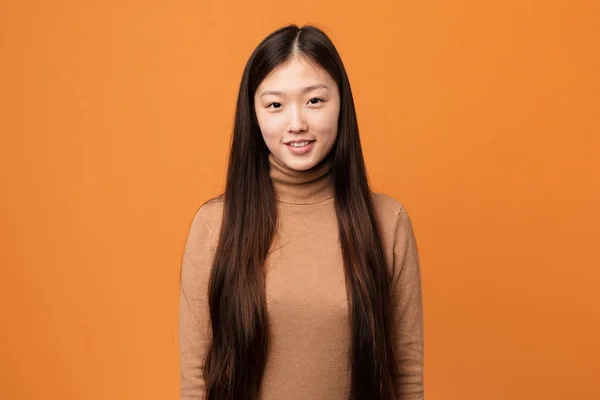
[274,105]
[315,100]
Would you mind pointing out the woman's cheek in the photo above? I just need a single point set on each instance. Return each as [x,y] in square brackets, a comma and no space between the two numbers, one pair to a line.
[270,127]
[325,123]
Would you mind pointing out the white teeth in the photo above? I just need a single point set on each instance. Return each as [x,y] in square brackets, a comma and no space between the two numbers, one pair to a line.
[299,144]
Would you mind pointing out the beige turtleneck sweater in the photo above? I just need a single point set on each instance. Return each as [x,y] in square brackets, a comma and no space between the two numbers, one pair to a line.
[309,341]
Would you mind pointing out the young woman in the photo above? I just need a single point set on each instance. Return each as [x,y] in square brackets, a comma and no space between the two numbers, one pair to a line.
[299,282]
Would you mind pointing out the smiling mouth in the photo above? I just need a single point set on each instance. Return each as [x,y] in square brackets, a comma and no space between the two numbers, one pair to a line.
[300,144]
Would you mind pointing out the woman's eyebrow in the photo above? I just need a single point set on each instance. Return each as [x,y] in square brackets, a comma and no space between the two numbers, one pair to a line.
[304,91]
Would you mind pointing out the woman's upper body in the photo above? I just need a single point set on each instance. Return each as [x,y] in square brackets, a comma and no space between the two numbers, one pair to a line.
[308,319]
[299,282]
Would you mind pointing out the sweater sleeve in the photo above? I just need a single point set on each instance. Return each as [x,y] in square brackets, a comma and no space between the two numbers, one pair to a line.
[193,308]
[407,311]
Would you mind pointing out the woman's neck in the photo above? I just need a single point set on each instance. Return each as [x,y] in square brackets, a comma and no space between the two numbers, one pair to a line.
[301,187]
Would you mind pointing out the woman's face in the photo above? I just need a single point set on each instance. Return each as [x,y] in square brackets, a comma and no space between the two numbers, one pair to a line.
[298,102]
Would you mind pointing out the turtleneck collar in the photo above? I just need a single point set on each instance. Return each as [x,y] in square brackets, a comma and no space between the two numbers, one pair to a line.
[301,187]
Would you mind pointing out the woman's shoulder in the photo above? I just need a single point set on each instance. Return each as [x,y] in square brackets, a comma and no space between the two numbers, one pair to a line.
[212,207]
[391,212]
[387,206]
[209,214]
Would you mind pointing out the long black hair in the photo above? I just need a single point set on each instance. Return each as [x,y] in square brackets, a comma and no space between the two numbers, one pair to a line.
[236,356]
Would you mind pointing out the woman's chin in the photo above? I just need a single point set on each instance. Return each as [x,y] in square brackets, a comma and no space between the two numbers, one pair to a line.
[299,163]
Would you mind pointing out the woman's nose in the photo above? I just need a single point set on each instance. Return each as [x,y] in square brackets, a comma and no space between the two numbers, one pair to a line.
[297,122]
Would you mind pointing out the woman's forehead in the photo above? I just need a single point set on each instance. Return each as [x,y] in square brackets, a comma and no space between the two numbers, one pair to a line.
[296,75]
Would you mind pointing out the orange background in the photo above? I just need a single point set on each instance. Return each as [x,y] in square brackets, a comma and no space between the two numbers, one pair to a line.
[483,119]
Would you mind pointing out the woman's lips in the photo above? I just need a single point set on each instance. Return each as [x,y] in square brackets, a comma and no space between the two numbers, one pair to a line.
[302,149]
